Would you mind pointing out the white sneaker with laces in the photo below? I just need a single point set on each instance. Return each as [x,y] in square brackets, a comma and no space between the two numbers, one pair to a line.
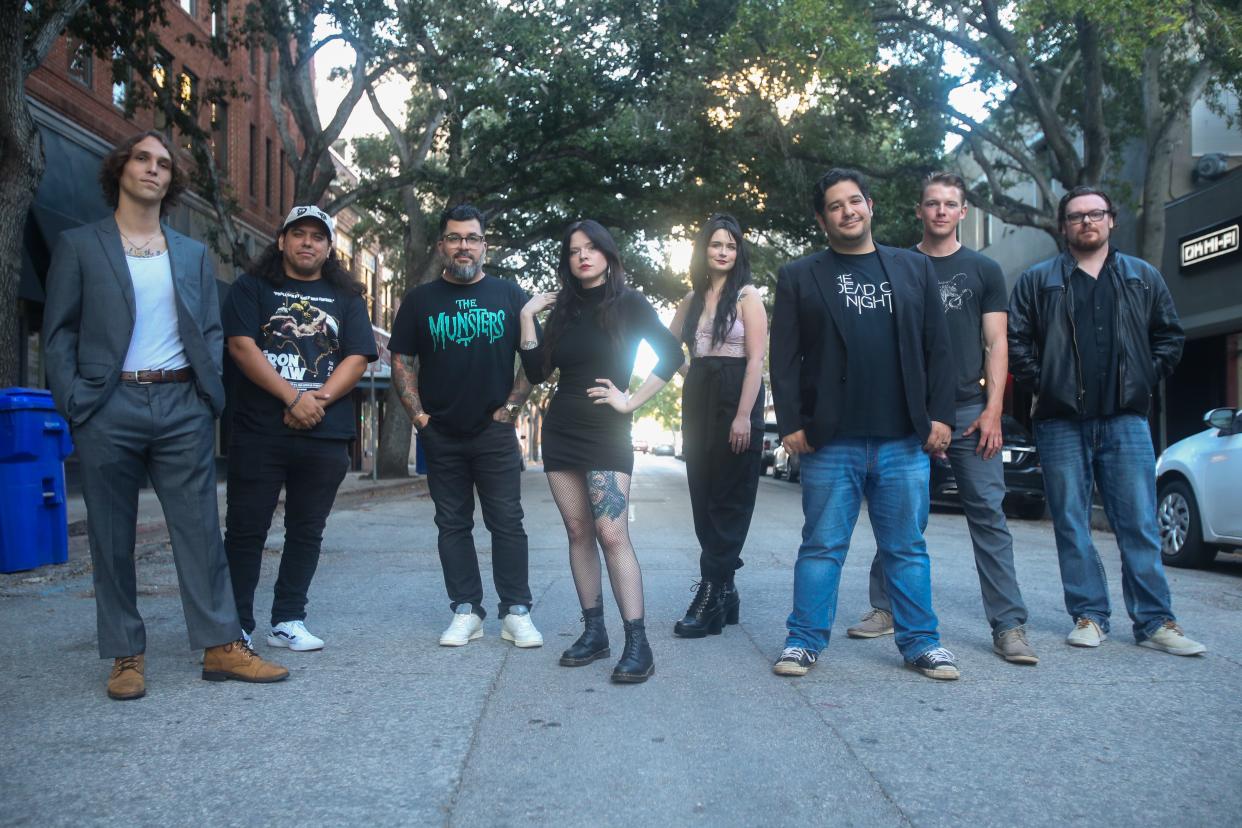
[466,627]
[294,636]
[518,628]
[1086,633]
[1170,639]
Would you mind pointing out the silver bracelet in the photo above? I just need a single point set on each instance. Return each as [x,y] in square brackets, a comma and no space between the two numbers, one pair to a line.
[529,345]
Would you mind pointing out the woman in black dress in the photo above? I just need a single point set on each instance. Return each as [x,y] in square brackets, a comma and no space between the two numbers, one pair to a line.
[592,337]
[724,324]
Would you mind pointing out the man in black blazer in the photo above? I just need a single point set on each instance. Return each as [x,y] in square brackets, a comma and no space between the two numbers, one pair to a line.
[863,379]
[133,348]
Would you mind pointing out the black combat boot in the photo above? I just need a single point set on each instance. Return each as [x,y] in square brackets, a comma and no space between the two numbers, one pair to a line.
[732,602]
[636,664]
[592,645]
[706,615]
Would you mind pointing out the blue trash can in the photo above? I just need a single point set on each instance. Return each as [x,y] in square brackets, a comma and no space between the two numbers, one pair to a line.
[34,442]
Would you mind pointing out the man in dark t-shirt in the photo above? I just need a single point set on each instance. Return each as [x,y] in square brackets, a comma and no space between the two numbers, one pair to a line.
[454,344]
[972,290]
[298,330]
[863,383]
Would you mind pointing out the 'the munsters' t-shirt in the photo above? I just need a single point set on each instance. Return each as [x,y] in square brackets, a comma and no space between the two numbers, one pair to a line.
[465,338]
[305,329]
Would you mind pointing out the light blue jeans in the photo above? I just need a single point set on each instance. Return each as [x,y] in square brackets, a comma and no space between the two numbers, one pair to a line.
[893,476]
[1114,453]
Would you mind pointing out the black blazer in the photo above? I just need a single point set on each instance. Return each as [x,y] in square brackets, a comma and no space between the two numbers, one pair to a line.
[808,365]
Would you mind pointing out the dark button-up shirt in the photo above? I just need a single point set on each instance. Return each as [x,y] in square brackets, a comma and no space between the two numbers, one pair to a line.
[1095,314]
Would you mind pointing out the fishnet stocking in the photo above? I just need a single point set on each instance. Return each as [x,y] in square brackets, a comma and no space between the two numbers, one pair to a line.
[595,507]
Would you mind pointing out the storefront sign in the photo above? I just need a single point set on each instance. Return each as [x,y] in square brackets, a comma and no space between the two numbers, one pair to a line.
[1220,241]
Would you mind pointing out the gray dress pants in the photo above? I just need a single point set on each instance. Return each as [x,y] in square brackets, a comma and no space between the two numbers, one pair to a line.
[981,484]
[164,430]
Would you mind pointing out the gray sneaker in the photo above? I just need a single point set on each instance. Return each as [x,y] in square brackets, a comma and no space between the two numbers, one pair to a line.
[1012,646]
[875,623]
[1170,639]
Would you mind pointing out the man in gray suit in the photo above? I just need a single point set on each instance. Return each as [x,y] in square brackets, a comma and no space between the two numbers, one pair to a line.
[133,347]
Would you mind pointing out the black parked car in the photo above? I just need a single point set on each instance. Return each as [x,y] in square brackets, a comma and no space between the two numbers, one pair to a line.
[1024,479]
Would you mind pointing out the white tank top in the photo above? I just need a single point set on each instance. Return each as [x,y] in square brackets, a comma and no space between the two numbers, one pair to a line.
[156,343]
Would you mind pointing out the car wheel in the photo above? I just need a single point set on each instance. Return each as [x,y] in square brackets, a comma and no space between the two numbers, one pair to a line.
[776,473]
[1181,536]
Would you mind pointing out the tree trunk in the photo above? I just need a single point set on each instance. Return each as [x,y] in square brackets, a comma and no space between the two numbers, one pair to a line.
[394,438]
[21,167]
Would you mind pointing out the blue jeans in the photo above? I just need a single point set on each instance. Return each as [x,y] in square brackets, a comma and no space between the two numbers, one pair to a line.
[893,476]
[1114,453]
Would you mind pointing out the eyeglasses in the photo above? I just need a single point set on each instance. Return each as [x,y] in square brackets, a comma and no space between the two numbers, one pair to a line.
[454,239]
[1094,216]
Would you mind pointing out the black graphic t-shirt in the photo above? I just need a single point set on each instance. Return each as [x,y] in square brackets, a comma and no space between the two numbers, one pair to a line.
[875,392]
[465,338]
[971,285]
[305,329]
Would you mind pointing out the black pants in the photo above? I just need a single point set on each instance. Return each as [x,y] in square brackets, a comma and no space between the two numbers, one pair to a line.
[491,463]
[722,484]
[311,470]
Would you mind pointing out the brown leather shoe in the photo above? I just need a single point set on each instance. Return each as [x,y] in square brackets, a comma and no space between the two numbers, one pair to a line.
[237,661]
[126,681]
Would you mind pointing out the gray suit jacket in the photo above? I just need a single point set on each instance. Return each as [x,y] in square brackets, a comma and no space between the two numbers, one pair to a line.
[88,319]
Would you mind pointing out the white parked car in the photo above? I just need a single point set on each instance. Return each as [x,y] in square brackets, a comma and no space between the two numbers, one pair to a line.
[1199,492]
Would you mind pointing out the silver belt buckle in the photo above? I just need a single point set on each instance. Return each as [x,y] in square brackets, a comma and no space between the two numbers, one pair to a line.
[138,374]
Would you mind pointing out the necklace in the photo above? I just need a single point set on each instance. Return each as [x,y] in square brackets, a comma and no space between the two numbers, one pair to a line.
[141,251]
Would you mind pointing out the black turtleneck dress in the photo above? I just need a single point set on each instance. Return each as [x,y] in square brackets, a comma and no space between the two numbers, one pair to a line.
[579,435]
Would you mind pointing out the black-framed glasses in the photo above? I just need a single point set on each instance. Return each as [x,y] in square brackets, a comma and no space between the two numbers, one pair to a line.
[454,239]
[1094,216]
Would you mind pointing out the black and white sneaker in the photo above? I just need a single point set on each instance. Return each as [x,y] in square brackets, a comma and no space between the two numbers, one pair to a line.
[938,664]
[794,661]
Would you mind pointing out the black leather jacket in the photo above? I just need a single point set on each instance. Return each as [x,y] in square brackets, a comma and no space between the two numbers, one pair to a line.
[1043,345]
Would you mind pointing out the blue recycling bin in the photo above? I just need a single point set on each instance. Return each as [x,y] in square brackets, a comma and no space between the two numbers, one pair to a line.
[34,442]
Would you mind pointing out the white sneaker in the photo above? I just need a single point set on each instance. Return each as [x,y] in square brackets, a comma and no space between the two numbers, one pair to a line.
[1171,639]
[1086,633]
[295,636]
[466,627]
[249,641]
[518,628]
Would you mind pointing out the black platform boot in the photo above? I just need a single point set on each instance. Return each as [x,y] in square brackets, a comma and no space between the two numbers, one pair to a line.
[706,615]
[732,602]
[636,664]
[592,645]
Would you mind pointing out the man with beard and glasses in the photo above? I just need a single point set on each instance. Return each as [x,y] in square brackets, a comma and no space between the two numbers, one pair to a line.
[298,329]
[1091,332]
[454,344]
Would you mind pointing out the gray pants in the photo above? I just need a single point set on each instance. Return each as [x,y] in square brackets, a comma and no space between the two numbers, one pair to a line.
[166,431]
[981,484]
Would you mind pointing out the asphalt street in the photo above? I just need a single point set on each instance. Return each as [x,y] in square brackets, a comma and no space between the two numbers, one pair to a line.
[384,727]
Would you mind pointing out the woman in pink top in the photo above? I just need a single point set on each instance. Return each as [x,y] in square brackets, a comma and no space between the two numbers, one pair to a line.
[724,324]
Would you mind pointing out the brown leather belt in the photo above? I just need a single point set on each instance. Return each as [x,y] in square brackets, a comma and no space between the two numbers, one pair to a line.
[148,377]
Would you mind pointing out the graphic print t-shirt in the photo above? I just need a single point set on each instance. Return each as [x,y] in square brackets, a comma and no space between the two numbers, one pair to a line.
[465,338]
[875,393]
[971,285]
[305,329]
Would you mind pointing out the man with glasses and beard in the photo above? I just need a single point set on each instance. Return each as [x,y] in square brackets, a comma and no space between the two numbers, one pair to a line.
[1091,332]
[454,344]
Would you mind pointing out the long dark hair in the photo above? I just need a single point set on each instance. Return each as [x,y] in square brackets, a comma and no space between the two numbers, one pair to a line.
[700,281]
[569,301]
[270,266]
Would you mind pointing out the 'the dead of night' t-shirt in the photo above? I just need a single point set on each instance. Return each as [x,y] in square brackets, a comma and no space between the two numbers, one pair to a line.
[305,329]
[971,285]
[465,338]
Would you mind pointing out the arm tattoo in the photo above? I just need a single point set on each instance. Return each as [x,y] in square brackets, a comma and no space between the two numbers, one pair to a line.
[607,499]
[521,388]
[405,379]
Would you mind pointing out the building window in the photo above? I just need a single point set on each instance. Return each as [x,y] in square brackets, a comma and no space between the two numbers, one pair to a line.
[190,7]
[254,161]
[122,76]
[220,136]
[986,221]
[187,101]
[345,251]
[367,275]
[254,61]
[281,205]
[267,172]
[80,64]
[159,73]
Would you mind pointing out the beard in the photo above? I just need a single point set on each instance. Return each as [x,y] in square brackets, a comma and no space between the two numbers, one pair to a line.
[1089,245]
[462,272]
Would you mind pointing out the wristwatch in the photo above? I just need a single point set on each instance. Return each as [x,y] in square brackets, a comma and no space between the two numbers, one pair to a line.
[513,409]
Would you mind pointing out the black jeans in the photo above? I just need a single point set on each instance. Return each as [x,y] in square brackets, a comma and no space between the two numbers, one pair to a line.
[311,470]
[723,485]
[489,462]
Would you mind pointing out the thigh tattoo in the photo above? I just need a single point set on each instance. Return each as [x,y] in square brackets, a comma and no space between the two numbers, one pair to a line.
[607,499]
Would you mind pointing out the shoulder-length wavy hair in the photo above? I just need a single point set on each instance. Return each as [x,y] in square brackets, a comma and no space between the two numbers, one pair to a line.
[569,302]
[270,267]
[700,281]
[114,162]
